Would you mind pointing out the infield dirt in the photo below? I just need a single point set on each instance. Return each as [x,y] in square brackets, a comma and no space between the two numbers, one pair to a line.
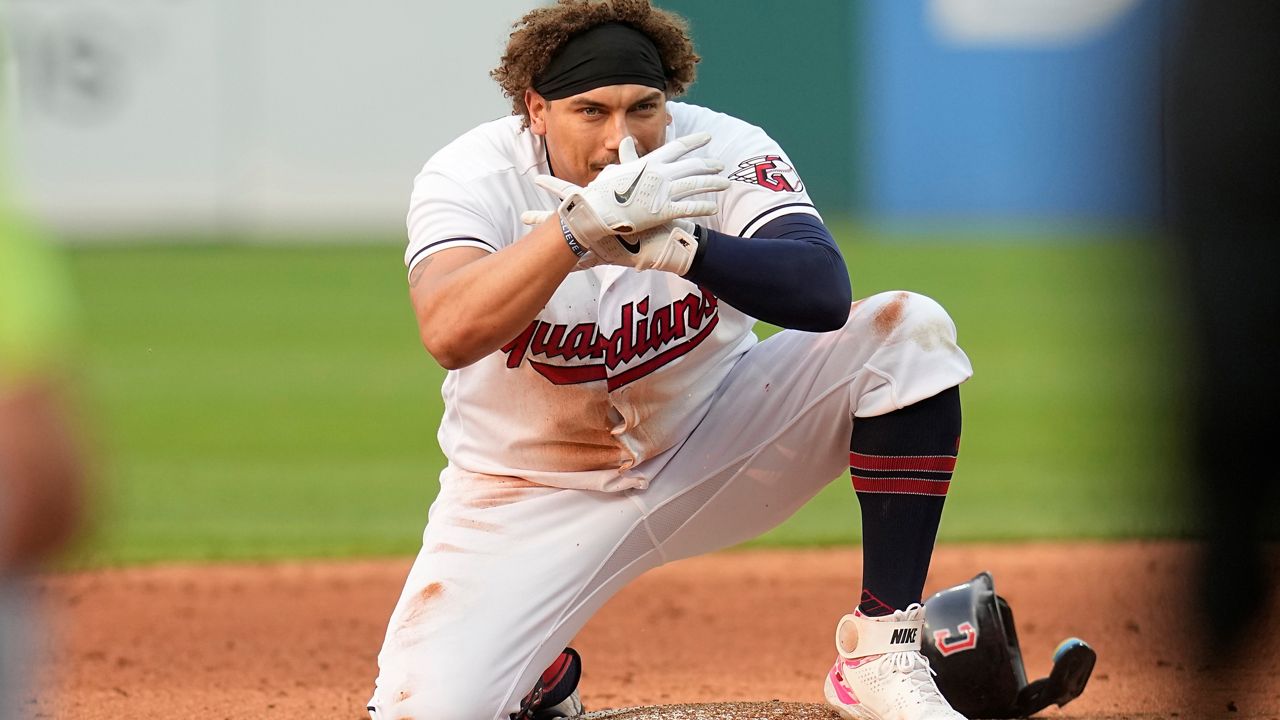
[299,640]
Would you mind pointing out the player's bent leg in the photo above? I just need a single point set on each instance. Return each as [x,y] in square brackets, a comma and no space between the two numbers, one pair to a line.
[780,425]
[508,573]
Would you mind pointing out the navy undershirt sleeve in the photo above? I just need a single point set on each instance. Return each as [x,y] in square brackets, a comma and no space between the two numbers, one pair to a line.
[789,273]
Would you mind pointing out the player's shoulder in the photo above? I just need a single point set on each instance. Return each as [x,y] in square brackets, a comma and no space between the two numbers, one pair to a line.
[729,134]
[688,118]
[495,147]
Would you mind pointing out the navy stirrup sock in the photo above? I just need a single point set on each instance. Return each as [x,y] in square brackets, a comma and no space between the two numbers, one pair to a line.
[901,465]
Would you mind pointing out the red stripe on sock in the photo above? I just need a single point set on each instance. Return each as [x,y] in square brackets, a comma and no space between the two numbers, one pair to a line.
[927,463]
[872,606]
[901,485]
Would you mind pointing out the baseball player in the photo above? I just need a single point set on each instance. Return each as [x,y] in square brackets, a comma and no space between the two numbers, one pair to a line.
[589,271]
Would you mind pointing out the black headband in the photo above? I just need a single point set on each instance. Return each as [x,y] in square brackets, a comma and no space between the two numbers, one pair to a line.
[609,54]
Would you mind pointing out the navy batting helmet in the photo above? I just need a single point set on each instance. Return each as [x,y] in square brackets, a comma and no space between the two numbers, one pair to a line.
[970,640]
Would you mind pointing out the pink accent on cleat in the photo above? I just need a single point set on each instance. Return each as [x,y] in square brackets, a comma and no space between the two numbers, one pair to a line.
[859,662]
[842,691]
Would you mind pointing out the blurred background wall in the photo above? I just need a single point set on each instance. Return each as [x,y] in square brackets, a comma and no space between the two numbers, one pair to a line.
[209,117]
[945,110]
[180,117]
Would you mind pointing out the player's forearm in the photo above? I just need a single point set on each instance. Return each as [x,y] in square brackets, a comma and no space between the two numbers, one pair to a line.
[790,273]
[476,308]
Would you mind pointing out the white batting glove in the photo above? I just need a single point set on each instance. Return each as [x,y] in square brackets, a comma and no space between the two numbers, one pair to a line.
[639,193]
[670,246]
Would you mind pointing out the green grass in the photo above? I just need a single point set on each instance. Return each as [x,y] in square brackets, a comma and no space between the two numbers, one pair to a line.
[252,402]
[1071,418]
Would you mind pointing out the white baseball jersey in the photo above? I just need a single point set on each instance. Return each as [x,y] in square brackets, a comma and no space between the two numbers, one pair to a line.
[620,365]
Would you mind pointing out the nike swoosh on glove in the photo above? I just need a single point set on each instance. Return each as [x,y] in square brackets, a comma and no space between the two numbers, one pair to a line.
[669,247]
[638,194]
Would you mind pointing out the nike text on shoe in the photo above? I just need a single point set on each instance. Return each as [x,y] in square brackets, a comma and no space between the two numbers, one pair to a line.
[883,676]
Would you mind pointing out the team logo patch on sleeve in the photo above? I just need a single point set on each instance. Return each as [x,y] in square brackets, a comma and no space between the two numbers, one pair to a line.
[770,172]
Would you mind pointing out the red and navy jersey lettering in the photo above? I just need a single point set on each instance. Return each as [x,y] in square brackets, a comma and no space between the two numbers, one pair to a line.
[669,331]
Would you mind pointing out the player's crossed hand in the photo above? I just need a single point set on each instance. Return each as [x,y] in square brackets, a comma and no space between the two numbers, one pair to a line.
[670,246]
[632,213]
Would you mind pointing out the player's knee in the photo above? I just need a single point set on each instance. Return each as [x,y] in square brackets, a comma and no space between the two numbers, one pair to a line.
[433,708]
[436,707]
[453,700]
[927,318]
[900,315]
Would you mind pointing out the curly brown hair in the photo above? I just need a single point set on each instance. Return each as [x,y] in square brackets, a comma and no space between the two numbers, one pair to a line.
[540,34]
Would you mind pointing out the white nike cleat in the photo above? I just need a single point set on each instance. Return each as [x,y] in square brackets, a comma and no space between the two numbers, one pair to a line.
[884,676]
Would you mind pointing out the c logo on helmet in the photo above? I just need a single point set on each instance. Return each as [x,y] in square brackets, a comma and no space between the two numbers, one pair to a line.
[967,640]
